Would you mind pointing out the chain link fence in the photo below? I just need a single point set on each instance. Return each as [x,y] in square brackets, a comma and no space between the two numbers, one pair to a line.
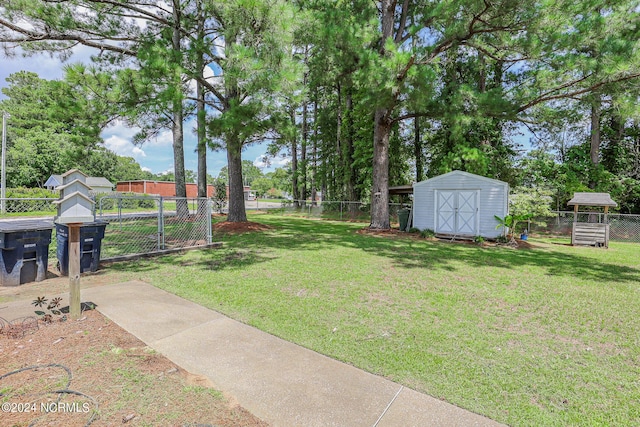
[622,227]
[147,224]
[136,224]
[336,210]
[41,207]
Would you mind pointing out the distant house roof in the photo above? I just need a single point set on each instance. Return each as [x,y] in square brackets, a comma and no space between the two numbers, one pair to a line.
[54,181]
[592,199]
[98,181]
[92,181]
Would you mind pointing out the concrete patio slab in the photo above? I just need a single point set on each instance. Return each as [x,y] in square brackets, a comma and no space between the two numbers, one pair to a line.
[147,312]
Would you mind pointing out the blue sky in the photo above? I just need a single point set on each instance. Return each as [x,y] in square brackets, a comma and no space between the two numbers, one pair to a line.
[156,155]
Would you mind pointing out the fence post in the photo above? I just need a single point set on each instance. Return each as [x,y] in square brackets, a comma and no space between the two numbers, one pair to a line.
[208,219]
[120,212]
[160,224]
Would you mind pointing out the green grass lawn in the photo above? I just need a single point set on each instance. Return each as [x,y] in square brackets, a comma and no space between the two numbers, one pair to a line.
[548,336]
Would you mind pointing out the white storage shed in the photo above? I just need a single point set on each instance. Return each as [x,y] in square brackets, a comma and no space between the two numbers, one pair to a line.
[460,204]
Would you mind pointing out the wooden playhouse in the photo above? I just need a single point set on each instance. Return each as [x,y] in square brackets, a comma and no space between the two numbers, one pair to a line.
[594,232]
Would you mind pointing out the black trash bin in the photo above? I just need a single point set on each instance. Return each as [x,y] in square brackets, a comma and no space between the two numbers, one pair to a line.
[24,245]
[403,218]
[91,235]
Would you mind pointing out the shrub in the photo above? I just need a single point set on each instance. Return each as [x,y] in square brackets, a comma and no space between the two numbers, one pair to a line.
[27,204]
[427,233]
[414,230]
[502,239]
[31,193]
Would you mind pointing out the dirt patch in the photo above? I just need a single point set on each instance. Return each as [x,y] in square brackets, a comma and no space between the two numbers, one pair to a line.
[239,227]
[391,233]
[109,377]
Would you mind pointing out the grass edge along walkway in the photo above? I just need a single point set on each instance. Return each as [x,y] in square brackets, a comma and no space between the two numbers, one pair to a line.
[544,336]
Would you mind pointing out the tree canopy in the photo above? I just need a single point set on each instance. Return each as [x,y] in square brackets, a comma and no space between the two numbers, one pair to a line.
[361,95]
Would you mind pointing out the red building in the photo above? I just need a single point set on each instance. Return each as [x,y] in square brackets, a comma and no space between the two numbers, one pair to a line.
[168,188]
[159,188]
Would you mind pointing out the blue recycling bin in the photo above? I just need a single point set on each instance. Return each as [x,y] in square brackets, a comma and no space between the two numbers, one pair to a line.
[24,247]
[91,235]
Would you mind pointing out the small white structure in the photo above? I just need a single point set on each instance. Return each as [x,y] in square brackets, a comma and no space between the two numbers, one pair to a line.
[74,205]
[460,204]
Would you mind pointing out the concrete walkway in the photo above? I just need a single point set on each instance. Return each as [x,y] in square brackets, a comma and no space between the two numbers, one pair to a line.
[279,382]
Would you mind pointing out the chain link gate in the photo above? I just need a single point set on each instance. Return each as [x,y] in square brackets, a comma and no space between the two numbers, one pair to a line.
[147,224]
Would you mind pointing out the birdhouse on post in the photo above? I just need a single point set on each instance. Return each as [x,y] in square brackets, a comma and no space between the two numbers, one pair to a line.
[75,207]
[75,204]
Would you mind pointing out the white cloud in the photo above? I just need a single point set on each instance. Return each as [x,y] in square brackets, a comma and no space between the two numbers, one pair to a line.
[265,161]
[145,169]
[119,128]
[164,139]
[123,147]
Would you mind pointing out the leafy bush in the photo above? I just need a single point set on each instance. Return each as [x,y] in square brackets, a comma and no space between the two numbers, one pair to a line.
[427,233]
[479,240]
[31,193]
[414,230]
[108,201]
[27,204]
[220,195]
[502,239]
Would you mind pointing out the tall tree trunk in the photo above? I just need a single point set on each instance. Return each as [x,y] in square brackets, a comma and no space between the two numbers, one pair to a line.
[177,126]
[303,155]
[338,168]
[595,137]
[237,212]
[417,149]
[380,193]
[202,143]
[305,137]
[381,134]
[294,161]
[314,152]
[349,173]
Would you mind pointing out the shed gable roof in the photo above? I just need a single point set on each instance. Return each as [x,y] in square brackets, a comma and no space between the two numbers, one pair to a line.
[592,199]
[98,181]
[463,174]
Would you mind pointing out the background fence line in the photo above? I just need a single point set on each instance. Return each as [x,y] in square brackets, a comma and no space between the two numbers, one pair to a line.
[136,224]
[142,224]
[622,227]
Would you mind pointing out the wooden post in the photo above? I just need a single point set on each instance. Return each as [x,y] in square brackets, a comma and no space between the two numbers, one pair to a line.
[74,270]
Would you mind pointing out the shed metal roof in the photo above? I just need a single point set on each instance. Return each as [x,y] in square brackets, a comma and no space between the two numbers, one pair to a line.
[98,181]
[464,174]
[592,199]
[401,189]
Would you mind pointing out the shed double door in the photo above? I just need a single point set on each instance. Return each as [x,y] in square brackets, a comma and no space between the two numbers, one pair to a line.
[457,212]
